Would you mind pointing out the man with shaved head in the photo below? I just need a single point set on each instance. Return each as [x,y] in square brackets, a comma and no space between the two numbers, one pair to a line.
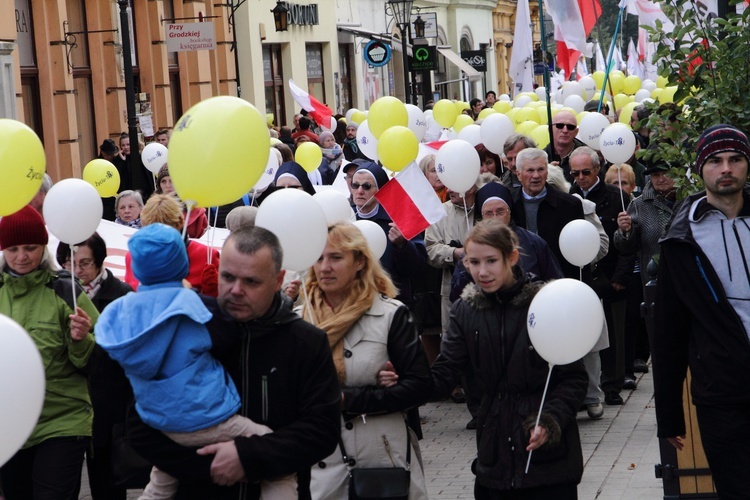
[564,131]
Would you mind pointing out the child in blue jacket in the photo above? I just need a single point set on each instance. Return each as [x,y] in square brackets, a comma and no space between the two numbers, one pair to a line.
[159,337]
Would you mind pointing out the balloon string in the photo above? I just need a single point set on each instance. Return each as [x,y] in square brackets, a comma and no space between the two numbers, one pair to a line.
[619,180]
[73,277]
[539,415]
[187,219]
[466,213]
[308,306]
[580,273]
[252,200]
[212,235]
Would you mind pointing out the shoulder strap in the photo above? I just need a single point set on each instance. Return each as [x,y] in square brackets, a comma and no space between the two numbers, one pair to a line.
[62,286]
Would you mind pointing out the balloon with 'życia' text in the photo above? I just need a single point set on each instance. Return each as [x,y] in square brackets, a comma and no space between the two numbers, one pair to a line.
[103,175]
[22,164]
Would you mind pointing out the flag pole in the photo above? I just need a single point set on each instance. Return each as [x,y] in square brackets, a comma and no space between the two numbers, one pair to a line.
[546,74]
[609,61]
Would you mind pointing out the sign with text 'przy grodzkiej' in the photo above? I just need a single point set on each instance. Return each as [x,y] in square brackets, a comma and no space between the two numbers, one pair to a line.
[182,37]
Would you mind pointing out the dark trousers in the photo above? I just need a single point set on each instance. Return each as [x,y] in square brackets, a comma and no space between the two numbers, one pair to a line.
[556,491]
[613,357]
[50,470]
[636,336]
[99,467]
[725,432]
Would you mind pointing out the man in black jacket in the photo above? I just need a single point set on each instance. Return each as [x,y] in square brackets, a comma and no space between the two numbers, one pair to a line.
[608,277]
[283,370]
[702,314]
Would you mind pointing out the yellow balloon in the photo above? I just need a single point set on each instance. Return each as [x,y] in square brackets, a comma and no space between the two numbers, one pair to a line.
[616,82]
[542,112]
[526,127]
[598,77]
[385,113]
[668,94]
[444,113]
[627,112]
[502,106]
[532,96]
[512,115]
[22,162]
[269,119]
[103,175]
[358,117]
[540,134]
[621,100]
[485,113]
[527,114]
[309,156]
[656,93]
[580,116]
[397,148]
[461,106]
[461,122]
[661,81]
[632,84]
[218,151]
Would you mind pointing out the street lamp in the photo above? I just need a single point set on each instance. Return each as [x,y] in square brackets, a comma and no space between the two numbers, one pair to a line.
[402,14]
[419,25]
[127,63]
[280,17]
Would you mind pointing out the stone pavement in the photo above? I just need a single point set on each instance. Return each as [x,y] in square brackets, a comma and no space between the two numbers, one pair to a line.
[619,450]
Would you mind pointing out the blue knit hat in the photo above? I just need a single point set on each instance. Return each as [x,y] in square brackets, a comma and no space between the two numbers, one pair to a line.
[158,254]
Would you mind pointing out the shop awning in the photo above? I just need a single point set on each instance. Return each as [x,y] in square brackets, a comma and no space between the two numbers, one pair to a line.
[395,43]
[454,58]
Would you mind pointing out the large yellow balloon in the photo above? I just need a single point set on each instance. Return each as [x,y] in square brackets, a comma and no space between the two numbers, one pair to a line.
[461,106]
[512,113]
[502,106]
[103,175]
[632,84]
[526,127]
[485,113]
[542,112]
[385,113]
[527,114]
[540,134]
[622,99]
[309,156]
[616,82]
[22,165]
[461,122]
[667,94]
[627,112]
[661,81]
[218,151]
[444,113]
[358,117]
[397,148]
[598,77]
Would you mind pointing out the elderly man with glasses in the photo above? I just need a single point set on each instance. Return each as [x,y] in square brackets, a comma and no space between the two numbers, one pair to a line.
[564,131]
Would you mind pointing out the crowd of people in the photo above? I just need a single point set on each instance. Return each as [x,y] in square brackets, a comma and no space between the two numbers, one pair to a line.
[237,379]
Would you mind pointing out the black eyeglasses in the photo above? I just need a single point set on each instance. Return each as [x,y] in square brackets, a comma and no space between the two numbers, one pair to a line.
[568,126]
[575,173]
[366,186]
[291,187]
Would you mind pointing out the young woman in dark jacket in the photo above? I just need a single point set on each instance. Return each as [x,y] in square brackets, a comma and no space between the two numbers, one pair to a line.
[488,329]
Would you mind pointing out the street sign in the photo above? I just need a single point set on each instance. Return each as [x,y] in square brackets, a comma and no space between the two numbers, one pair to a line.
[183,37]
[377,53]
[477,59]
[425,58]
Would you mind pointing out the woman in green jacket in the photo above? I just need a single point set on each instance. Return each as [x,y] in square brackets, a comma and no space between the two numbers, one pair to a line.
[39,298]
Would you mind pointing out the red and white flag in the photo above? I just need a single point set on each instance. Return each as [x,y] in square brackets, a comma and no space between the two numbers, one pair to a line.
[317,109]
[410,201]
[573,20]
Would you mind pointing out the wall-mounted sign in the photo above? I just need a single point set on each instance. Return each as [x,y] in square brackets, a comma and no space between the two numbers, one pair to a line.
[477,59]
[424,59]
[183,37]
[377,53]
[430,24]
[302,15]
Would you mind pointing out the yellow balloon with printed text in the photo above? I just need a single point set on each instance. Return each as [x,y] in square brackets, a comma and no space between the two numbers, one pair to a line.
[22,165]
[103,175]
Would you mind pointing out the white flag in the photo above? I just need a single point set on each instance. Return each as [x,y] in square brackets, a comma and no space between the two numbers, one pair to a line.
[601,64]
[635,67]
[521,67]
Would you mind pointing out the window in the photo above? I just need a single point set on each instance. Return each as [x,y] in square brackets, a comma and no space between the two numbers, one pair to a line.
[79,58]
[273,79]
[346,71]
[315,81]
[174,70]
[32,110]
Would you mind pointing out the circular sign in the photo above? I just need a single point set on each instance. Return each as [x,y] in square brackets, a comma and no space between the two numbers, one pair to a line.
[377,53]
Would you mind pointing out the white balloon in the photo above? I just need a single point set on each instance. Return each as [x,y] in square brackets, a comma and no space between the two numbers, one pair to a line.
[72,210]
[591,127]
[457,164]
[589,87]
[331,126]
[417,121]
[22,390]
[541,93]
[617,143]
[558,332]
[495,129]
[335,206]
[579,242]
[471,134]
[648,84]
[522,101]
[434,130]
[300,224]
[367,142]
[154,156]
[641,94]
[269,173]
[572,88]
[503,97]
[350,113]
[375,236]
[575,102]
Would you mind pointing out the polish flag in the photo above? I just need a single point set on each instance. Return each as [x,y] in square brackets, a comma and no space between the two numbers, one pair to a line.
[573,20]
[317,109]
[410,201]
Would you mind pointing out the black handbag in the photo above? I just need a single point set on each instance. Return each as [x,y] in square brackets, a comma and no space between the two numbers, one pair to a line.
[391,483]
[129,469]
